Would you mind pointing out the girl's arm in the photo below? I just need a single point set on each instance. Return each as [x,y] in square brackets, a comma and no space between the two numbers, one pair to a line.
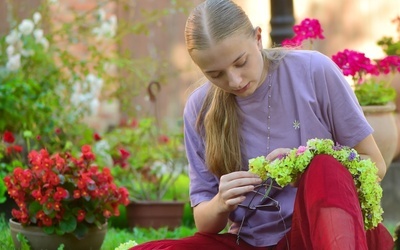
[367,148]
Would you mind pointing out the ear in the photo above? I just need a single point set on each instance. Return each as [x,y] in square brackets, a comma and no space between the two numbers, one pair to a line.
[258,37]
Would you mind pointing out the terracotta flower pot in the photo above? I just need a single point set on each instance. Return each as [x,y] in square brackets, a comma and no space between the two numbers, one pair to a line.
[383,121]
[38,239]
[155,214]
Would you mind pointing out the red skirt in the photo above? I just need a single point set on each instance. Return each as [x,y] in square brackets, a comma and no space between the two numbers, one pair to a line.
[327,215]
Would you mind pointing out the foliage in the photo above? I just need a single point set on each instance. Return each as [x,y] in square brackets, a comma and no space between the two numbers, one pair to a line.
[374,92]
[146,160]
[39,76]
[391,45]
[286,169]
[369,89]
[36,81]
[64,194]
[3,190]
[51,63]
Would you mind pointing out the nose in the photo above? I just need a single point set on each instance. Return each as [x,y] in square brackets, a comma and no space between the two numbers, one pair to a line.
[234,79]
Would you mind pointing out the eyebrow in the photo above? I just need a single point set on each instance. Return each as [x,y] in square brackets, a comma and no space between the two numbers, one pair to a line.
[237,59]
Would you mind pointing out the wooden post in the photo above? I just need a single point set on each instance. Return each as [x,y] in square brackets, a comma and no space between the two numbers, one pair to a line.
[282,20]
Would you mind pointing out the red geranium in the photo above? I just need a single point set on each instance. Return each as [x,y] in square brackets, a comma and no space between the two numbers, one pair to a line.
[8,137]
[64,194]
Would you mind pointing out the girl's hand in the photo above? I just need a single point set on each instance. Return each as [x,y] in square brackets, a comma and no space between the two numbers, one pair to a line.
[276,153]
[234,186]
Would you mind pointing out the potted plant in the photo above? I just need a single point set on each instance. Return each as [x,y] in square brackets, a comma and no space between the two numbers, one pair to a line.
[374,92]
[37,76]
[48,88]
[364,72]
[151,164]
[375,95]
[62,199]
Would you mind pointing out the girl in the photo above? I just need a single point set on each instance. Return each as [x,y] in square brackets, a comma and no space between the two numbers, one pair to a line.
[263,102]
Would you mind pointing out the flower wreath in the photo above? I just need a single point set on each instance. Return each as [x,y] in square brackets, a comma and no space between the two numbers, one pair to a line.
[287,168]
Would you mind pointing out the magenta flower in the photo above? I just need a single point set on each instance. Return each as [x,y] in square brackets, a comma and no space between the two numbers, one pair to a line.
[355,63]
[293,42]
[389,64]
[307,29]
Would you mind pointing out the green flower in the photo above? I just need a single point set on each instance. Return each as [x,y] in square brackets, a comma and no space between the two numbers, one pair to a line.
[364,172]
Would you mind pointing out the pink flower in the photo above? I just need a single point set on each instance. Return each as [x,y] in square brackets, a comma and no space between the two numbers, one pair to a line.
[301,150]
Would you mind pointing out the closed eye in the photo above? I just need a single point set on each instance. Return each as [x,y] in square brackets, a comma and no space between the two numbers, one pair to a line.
[242,64]
[215,76]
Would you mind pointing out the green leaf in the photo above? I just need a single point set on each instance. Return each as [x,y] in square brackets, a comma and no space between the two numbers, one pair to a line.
[34,207]
[68,225]
[49,230]
[81,231]
[90,218]
[3,190]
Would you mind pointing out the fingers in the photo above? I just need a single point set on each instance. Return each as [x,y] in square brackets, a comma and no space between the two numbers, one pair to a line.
[234,186]
[277,153]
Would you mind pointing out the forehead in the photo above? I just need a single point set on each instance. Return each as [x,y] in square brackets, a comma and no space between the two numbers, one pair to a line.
[222,54]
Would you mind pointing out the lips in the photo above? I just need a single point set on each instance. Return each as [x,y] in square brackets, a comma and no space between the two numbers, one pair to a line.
[243,89]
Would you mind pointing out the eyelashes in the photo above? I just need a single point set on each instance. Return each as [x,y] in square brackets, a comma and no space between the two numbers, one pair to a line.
[221,73]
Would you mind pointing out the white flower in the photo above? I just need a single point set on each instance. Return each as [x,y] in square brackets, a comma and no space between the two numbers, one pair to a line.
[95,84]
[14,62]
[109,67]
[160,168]
[53,1]
[94,106]
[26,27]
[38,34]
[27,52]
[36,17]
[90,78]
[45,43]
[107,28]
[102,145]
[113,21]
[85,98]
[13,37]
[10,50]
[101,148]
[101,14]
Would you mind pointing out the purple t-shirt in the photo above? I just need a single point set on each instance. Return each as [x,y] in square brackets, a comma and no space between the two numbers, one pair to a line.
[305,96]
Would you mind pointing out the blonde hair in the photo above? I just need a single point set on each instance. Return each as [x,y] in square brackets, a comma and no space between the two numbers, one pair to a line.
[209,23]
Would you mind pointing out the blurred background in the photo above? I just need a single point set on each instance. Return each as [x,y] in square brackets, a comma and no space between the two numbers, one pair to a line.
[356,24]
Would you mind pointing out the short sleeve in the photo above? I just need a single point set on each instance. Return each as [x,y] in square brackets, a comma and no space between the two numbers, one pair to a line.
[341,109]
[203,184]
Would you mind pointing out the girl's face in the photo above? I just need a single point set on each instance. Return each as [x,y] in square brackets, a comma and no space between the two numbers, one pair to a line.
[234,64]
